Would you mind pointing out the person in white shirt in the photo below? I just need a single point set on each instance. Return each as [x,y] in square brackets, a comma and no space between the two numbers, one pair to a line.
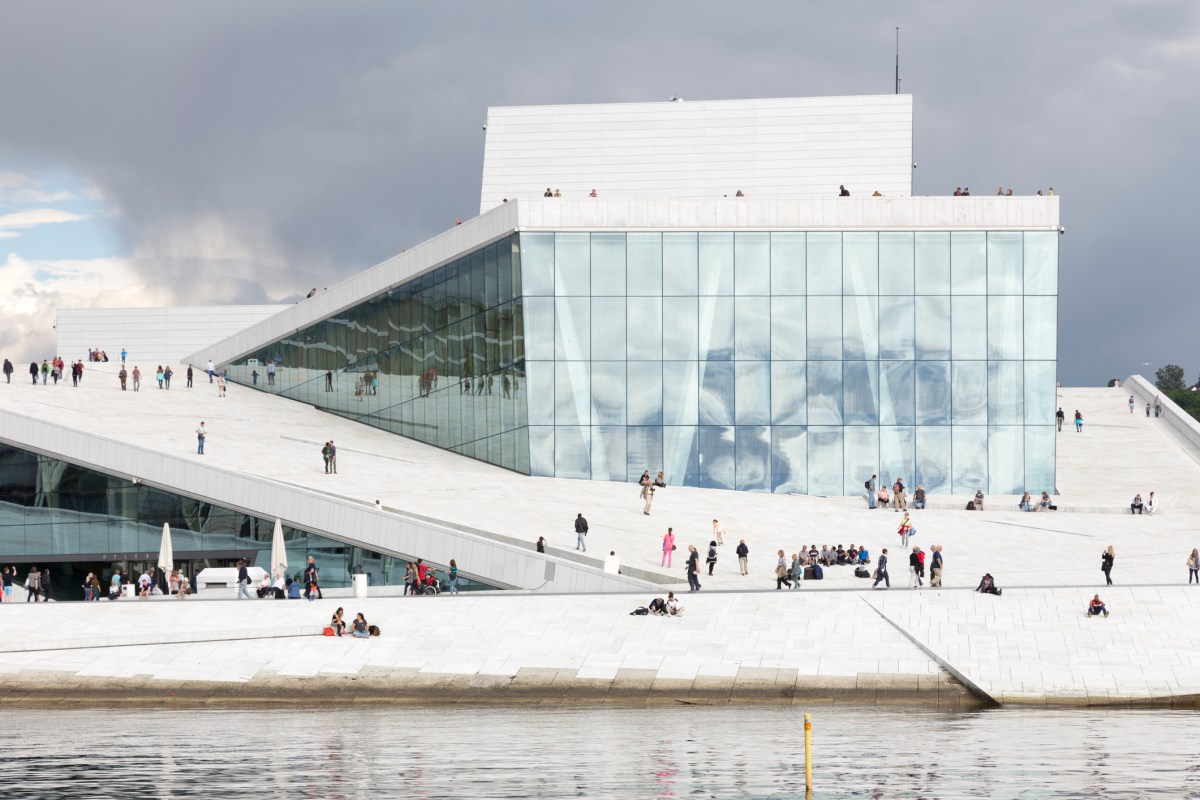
[1151,504]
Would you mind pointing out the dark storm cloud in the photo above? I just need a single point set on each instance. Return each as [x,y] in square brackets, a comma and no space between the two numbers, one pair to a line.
[257,149]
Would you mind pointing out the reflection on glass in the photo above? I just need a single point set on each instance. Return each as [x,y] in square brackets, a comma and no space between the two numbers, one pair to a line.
[572,451]
[753,453]
[752,328]
[681,392]
[539,327]
[1040,393]
[860,404]
[716,392]
[968,317]
[897,328]
[789,459]
[645,392]
[681,320]
[897,455]
[932,263]
[716,454]
[608,393]
[933,459]
[608,264]
[788,329]
[897,393]
[788,263]
[572,401]
[645,335]
[716,263]
[681,457]
[824,264]
[680,264]
[969,392]
[968,263]
[1006,392]
[1004,327]
[644,264]
[789,404]
[608,328]
[825,475]
[572,264]
[824,328]
[608,454]
[1039,458]
[933,392]
[537,264]
[1004,268]
[860,328]
[896,254]
[860,263]
[969,459]
[644,451]
[572,329]
[933,328]
[541,450]
[824,389]
[752,393]
[716,328]
[861,459]
[1006,459]
[1041,262]
[752,263]
[1041,328]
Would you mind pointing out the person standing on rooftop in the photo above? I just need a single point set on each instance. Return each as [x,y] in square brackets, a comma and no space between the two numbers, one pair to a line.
[581,530]
[201,434]
[668,547]
[743,556]
[935,569]
[8,371]
[123,355]
[167,373]
[870,486]
[1106,564]
[881,572]
[1193,565]
[693,568]
[1131,404]
[137,378]
[1078,421]
[718,534]
[45,371]
[1059,416]
[122,376]
[210,369]
[843,191]
[33,371]
[189,376]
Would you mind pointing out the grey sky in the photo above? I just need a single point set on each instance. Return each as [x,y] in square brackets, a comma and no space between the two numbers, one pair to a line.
[258,149]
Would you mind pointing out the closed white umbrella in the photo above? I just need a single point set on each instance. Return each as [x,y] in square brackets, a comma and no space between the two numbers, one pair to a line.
[166,553]
[279,563]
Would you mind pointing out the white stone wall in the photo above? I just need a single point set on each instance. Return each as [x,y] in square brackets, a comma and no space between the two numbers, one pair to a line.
[806,146]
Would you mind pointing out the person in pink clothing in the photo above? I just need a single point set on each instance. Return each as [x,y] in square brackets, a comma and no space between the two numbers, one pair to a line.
[668,547]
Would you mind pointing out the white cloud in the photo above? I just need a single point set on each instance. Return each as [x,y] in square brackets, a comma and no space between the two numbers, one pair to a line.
[17,189]
[29,219]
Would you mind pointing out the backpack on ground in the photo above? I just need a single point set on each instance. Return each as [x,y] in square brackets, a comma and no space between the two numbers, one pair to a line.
[818,572]
[970,505]
[640,611]
[861,572]
[808,573]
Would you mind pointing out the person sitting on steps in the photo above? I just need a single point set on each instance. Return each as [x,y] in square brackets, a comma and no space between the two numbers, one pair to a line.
[1096,607]
[987,585]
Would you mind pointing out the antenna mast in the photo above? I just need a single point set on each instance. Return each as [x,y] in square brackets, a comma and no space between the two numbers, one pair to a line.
[897,60]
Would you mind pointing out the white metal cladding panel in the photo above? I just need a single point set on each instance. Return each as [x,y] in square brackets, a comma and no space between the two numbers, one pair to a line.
[792,147]
[356,523]
[152,335]
[429,254]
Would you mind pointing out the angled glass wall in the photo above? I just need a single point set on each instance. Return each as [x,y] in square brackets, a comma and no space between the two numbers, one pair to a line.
[793,362]
[438,359]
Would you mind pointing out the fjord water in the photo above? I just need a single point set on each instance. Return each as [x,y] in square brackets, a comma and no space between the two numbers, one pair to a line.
[595,752]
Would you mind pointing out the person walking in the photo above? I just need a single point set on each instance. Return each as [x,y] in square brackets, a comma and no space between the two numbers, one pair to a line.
[45,371]
[124,355]
[781,572]
[210,369]
[899,502]
[452,580]
[123,376]
[581,529]
[312,577]
[1106,564]
[1059,416]
[935,567]
[137,378]
[189,376]
[201,435]
[33,585]
[647,492]
[541,544]
[711,560]
[6,584]
[693,568]
[243,581]
[220,384]
[914,569]
[1131,403]
[1078,421]
[668,547]
[718,534]
[1193,565]
[33,371]
[743,555]
[870,486]
[167,373]
[332,457]
[158,376]
[905,530]
[881,572]
[8,371]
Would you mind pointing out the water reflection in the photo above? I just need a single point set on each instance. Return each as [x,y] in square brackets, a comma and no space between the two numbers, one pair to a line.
[437,752]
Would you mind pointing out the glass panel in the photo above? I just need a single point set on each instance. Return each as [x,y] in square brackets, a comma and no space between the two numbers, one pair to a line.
[681,392]
[789,459]
[897,328]
[896,263]
[572,456]
[753,451]
[788,328]
[897,393]
[539,384]
[541,450]
[608,265]
[716,263]
[1005,393]
[969,390]
[933,392]
[1041,262]
[716,456]
[933,328]
[681,320]
[1039,458]
[968,263]
[644,264]
[824,329]
[645,392]
[752,263]
[1041,328]
[608,394]
[645,451]
[825,461]
[860,392]
[572,330]
[1041,394]
[753,393]
[645,328]
[1006,459]
[537,263]
[608,328]
[860,327]
[681,456]
[716,328]
[969,459]
[716,393]
[788,397]
[968,317]
[933,263]
[752,328]
[680,264]
[824,387]
[608,454]
[933,459]
[824,264]
[788,259]
[860,263]
[539,331]
[572,393]
[1004,262]
[1004,327]
[861,457]
[897,459]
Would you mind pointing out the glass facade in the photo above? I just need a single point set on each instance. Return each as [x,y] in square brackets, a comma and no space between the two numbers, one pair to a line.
[797,362]
[56,512]
[438,359]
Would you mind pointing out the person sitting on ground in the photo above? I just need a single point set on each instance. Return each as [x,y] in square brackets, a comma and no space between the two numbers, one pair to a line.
[279,587]
[1136,506]
[1044,503]
[144,585]
[813,554]
[1151,504]
[918,498]
[852,552]
[658,606]
[979,500]
[864,556]
[883,497]
[673,606]
[265,589]
[1026,504]
[842,556]
[338,623]
[360,627]
[1096,607]
[987,585]
[294,588]
[826,556]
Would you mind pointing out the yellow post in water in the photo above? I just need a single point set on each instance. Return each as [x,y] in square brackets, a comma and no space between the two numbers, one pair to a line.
[808,752]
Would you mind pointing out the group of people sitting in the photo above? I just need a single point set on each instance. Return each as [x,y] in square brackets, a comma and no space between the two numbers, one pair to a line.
[420,579]
[1042,504]
[1138,507]
[293,588]
[668,607]
[897,498]
[359,628]
[830,557]
[97,355]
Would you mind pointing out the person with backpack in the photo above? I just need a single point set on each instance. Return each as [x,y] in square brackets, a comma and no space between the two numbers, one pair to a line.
[881,572]
[870,487]
[743,556]
[914,569]
[898,499]
[581,531]
[711,560]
